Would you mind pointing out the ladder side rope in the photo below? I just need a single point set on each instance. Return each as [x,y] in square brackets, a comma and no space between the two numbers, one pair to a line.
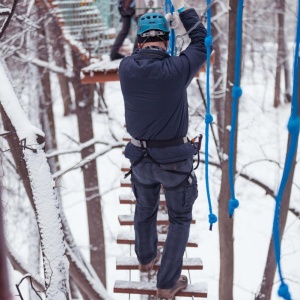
[236,94]
[212,218]
[293,128]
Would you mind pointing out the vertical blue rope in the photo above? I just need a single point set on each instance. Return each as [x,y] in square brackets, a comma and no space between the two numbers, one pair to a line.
[293,128]
[236,94]
[169,8]
[212,218]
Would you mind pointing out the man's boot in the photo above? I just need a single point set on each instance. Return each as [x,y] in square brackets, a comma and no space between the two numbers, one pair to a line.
[149,267]
[169,294]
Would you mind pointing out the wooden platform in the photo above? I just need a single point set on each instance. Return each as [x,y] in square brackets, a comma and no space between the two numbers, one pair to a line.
[149,288]
[109,71]
[101,72]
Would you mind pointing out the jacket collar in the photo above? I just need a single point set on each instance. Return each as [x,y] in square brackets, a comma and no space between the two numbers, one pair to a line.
[152,52]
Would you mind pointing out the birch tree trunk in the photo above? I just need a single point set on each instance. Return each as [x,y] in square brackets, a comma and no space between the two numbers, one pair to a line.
[84,104]
[225,223]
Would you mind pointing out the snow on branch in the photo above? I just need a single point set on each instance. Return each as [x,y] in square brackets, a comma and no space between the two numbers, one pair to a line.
[92,287]
[24,269]
[40,63]
[82,146]
[88,159]
[50,66]
[11,105]
[4,11]
[48,219]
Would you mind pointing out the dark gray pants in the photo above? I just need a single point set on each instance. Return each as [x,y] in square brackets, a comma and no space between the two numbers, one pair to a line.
[126,23]
[180,195]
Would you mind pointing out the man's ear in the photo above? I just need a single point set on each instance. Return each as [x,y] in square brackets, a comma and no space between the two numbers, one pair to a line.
[140,45]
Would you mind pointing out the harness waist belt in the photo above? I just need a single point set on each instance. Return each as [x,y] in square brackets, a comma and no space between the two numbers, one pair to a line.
[159,144]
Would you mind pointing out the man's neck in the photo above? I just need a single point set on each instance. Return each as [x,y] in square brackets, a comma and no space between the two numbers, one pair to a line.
[158,45]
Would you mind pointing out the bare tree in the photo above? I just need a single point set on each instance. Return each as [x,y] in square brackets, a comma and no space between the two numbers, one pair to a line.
[28,146]
[55,38]
[266,286]
[225,223]
[282,58]
[4,284]
[84,103]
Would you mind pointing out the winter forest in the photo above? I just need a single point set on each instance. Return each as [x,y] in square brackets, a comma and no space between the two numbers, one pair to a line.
[62,136]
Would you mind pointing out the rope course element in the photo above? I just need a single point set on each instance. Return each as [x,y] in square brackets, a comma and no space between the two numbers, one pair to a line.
[169,8]
[236,94]
[212,218]
[87,25]
[293,128]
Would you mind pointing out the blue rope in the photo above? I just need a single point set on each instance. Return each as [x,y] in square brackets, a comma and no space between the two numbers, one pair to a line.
[170,8]
[212,218]
[236,94]
[293,128]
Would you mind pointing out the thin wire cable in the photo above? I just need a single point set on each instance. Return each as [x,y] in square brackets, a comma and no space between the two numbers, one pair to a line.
[212,218]
[236,94]
[293,128]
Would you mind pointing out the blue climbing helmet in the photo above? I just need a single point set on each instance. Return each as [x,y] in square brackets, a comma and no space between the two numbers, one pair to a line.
[152,21]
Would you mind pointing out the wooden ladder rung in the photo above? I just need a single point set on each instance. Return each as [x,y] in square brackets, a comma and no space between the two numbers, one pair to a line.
[125,182]
[130,199]
[125,167]
[149,288]
[126,138]
[131,263]
[162,219]
[128,239]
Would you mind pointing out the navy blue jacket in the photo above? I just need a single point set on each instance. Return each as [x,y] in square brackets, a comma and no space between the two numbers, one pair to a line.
[154,86]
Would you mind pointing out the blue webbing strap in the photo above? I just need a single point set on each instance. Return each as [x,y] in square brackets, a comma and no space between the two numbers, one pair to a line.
[293,128]
[169,8]
[236,94]
[212,218]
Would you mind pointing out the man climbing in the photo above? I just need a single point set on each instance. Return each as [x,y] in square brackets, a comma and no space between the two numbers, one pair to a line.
[154,87]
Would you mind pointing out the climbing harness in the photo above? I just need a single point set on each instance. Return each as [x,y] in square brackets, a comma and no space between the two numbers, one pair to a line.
[293,128]
[164,143]
[159,144]
[236,94]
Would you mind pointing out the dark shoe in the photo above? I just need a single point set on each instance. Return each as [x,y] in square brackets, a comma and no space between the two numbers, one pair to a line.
[116,56]
[149,267]
[169,294]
